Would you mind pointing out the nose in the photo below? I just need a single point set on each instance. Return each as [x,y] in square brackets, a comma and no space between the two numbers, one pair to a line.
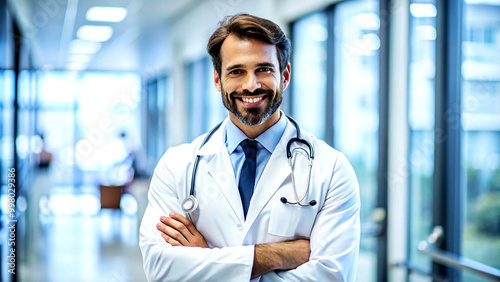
[251,82]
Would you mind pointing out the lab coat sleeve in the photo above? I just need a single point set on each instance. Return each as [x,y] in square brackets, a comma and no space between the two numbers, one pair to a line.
[335,235]
[163,262]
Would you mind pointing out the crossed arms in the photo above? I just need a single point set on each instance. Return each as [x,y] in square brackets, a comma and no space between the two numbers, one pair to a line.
[179,231]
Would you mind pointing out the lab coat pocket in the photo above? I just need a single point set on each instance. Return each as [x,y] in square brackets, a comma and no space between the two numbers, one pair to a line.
[291,220]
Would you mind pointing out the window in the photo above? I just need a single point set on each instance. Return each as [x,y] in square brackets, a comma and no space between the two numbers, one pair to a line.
[335,95]
[355,112]
[205,106]
[481,133]
[421,110]
[309,73]
[158,100]
[196,87]
[6,118]
[215,111]
[459,148]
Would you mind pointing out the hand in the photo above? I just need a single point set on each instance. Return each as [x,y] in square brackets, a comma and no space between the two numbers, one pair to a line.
[179,231]
[283,256]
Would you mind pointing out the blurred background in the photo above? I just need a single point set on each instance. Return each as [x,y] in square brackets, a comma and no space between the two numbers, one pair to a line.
[92,93]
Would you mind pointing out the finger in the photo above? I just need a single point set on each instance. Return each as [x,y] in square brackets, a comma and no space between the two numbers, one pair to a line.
[177,225]
[169,240]
[172,233]
[189,225]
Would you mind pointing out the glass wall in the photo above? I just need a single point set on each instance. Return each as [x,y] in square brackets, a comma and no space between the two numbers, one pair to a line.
[356,92]
[6,156]
[196,85]
[421,96]
[6,117]
[356,117]
[341,44]
[309,74]
[215,111]
[158,99]
[205,107]
[481,133]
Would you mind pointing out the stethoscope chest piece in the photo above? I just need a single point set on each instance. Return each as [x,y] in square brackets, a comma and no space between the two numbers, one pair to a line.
[189,204]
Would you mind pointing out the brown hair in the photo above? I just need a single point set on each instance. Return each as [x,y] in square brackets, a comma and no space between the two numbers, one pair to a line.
[247,26]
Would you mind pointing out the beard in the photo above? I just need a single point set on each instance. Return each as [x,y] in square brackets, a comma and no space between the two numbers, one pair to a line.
[257,115]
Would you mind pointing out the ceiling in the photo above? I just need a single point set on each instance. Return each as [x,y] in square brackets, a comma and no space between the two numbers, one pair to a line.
[50,26]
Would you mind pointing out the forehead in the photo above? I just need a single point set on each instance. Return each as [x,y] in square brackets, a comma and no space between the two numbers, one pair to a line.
[235,50]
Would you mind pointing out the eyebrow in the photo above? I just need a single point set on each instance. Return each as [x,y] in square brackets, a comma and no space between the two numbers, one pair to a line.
[237,66]
[266,65]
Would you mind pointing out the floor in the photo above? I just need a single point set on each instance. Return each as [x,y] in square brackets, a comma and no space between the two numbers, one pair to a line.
[71,239]
[103,247]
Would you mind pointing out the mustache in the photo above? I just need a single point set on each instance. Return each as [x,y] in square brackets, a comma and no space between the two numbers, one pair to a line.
[256,92]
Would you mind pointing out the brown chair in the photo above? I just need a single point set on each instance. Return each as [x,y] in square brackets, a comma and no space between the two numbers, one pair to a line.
[111,196]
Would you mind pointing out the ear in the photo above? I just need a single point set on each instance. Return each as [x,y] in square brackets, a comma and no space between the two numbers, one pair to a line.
[217,81]
[286,76]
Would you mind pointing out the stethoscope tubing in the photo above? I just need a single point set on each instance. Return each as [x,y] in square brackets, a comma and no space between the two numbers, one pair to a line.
[292,167]
[191,203]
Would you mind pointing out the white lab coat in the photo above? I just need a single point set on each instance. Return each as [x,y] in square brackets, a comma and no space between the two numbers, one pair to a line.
[332,225]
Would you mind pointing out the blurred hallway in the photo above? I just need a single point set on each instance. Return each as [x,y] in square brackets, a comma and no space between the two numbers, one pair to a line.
[79,242]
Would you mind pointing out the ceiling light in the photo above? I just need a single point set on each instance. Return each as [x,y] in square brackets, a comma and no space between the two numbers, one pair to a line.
[98,33]
[420,10]
[78,46]
[106,14]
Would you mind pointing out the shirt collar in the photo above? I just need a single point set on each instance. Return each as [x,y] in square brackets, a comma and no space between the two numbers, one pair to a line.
[268,139]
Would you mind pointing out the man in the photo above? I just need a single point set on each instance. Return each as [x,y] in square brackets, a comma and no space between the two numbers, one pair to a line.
[243,229]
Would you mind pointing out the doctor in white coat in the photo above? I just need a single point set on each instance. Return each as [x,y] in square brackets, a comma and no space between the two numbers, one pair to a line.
[263,239]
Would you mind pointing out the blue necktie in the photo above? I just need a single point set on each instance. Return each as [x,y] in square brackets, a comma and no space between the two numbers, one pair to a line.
[247,174]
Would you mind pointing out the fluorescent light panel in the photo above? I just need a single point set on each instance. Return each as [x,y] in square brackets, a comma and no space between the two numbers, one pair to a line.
[78,46]
[421,10]
[106,14]
[97,33]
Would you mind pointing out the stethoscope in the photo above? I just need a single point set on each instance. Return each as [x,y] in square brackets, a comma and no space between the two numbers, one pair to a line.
[190,204]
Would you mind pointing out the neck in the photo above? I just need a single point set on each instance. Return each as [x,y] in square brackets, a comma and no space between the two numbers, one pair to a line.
[253,131]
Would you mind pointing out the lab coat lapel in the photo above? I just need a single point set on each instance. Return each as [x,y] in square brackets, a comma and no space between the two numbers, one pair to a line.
[221,171]
[275,172]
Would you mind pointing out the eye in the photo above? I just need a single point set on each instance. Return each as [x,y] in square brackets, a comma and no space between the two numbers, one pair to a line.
[235,72]
[264,69]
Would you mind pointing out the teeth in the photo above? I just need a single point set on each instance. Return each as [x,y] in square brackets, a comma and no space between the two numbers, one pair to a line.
[251,100]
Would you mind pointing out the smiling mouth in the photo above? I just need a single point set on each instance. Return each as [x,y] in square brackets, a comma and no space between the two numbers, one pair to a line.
[251,100]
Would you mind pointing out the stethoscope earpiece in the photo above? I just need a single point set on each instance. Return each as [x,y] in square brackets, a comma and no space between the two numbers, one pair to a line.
[311,203]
